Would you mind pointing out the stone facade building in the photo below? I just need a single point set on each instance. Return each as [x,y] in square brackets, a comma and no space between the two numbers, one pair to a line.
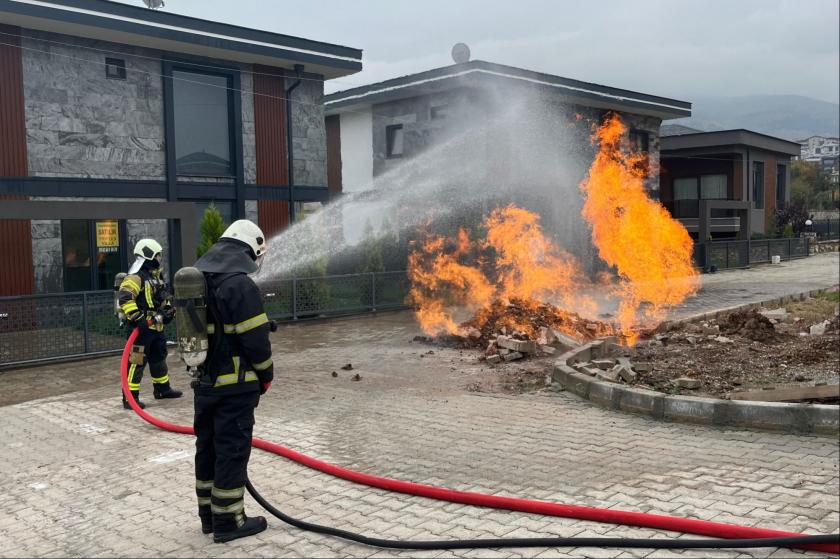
[120,103]
[496,133]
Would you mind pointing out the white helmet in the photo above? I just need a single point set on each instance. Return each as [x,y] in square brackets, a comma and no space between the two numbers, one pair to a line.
[249,233]
[147,248]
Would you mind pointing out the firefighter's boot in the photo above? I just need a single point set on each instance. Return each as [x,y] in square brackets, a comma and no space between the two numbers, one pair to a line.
[136,394]
[251,526]
[163,390]
[206,519]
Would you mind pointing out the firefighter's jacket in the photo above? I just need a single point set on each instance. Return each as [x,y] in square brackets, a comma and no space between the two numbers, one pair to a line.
[142,296]
[239,359]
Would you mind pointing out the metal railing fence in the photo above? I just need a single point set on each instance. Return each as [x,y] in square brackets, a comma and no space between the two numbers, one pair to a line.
[40,328]
[741,254]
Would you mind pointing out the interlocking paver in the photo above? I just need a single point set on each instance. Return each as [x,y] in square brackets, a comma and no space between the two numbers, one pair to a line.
[84,478]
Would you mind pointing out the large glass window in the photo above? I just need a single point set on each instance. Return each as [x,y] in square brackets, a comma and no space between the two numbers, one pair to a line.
[685,197]
[758,184]
[713,187]
[202,124]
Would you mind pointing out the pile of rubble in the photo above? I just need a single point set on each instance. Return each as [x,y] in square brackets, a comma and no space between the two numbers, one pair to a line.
[612,369]
[512,347]
[529,318]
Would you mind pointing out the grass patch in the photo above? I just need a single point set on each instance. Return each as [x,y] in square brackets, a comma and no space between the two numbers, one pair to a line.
[833,296]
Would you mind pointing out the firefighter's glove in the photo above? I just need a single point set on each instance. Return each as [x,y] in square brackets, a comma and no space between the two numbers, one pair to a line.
[264,387]
[167,314]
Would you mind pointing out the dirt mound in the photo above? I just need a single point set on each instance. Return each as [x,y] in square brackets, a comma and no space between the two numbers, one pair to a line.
[750,324]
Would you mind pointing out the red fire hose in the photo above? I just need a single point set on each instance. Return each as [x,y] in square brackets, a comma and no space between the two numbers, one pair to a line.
[645,520]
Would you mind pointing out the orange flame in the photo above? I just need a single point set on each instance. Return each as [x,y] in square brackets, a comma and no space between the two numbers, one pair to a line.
[514,261]
[651,251]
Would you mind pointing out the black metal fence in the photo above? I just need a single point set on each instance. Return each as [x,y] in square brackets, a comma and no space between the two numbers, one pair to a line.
[741,254]
[826,229]
[36,328]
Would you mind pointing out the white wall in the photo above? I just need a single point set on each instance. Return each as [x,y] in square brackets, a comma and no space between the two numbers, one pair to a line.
[356,151]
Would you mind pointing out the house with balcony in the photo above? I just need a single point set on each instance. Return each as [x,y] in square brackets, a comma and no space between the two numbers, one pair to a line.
[725,166]
[103,101]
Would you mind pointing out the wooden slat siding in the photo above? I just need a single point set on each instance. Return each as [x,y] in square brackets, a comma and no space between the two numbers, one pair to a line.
[333,126]
[16,273]
[272,155]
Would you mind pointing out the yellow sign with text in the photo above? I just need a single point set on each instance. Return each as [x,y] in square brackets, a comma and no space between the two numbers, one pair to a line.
[108,234]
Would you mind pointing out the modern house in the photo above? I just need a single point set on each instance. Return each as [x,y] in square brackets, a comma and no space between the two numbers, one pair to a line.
[725,166]
[372,129]
[103,101]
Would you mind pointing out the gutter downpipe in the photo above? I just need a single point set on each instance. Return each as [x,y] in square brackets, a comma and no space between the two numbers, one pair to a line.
[289,144]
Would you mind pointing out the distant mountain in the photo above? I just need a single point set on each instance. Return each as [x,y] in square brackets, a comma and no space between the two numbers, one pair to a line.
[792,117]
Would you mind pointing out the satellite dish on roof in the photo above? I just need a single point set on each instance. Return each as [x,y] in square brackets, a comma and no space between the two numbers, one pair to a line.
[460,53]
[153,4]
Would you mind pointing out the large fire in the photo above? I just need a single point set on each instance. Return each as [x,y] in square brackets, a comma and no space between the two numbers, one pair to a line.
[651,251]
[515,266]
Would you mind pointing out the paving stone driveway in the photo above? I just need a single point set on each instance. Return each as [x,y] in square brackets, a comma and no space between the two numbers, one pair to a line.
[82,477]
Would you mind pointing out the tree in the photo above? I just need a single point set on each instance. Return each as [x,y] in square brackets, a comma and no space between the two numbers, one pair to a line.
[212,226]
[791,219]
[809,187]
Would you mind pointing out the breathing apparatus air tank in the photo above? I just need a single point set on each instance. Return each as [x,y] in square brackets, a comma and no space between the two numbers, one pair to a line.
[118,312]
[191,315]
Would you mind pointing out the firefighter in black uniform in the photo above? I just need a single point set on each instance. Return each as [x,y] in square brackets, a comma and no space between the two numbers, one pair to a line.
[238,370]
[146,303]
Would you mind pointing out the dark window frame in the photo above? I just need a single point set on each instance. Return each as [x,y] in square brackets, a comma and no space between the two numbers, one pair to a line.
[390,131]
[117,64]
[438,112]
[230,120]
[781,184]
[172,62]
[640,138]
[757,175]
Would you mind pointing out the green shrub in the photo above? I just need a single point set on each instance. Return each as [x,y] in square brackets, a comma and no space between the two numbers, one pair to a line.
[211,229]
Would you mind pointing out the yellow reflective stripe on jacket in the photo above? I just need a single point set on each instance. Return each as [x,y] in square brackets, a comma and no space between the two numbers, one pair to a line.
[130,285]
[229,329]
[149,300]
[251,323]
[233,378]
[237,493]
[263,365]
[129,307]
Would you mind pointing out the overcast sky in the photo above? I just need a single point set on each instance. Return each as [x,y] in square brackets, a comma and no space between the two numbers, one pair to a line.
[673,48]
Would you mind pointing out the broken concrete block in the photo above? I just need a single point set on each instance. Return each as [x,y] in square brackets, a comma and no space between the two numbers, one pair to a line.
[564,340]
[723,340]
[607,345]
[642,367]
[471,332]
[818,329]
[685,382]
[609,376]
[624,372]
[779,314]
[493,359]
[548,349]
[522,346]
[546,337]
[604,364]
[591,371]
[513,356]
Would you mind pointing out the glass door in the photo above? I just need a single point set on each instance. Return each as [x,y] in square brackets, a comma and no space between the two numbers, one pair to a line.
[75,246]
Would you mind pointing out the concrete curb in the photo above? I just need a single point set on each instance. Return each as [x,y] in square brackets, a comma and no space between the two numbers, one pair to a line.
[773,416]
